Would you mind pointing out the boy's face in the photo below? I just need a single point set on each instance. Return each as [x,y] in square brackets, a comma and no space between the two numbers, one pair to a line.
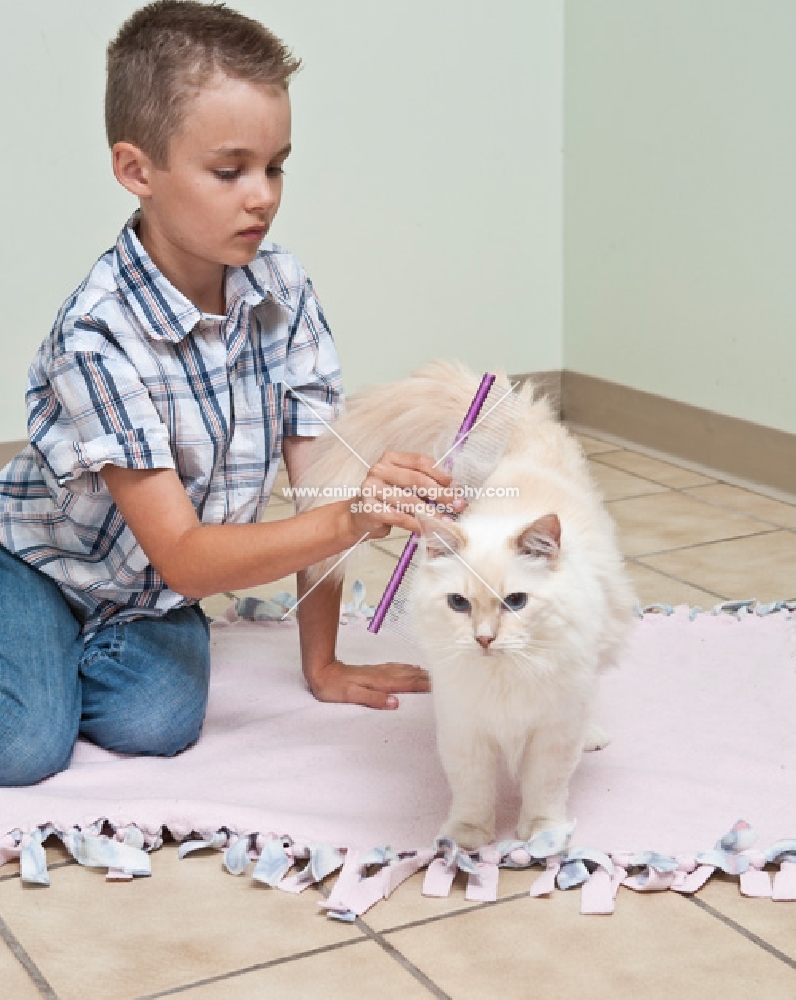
[214,202]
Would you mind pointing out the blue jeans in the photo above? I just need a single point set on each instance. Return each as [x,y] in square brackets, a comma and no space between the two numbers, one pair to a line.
[138,687]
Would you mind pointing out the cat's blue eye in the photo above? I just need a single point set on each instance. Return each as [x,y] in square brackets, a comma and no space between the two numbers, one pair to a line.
[458,603]
[515,601]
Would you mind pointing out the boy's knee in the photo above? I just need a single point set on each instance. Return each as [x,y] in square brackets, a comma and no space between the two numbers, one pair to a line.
[161,729]
[34,751]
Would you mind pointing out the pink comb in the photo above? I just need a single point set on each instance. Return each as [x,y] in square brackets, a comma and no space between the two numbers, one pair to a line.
[409,549]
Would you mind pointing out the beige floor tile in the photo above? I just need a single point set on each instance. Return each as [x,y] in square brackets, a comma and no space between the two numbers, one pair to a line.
[93,939]
[653,947]
[616,485]
[652,468]
[763,567]
[593,446]
[408,904]
[10,870]
[360,970]
[655,588]
[753,504]
[374,569]
[15,983]
[277,511]
[281,481]
[56,853]
[774,922]
[672,521]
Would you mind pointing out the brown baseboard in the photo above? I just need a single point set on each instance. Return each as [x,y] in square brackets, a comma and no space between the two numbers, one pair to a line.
[739,448]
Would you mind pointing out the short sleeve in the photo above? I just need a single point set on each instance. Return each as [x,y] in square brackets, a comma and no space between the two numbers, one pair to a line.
[314,387]
[91,410]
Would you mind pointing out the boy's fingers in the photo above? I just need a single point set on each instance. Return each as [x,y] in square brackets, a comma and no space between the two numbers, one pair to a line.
[393,677]
[419,484]
[360,694]
[418,461]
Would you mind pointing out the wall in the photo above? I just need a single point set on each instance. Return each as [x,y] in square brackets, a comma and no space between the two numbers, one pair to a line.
[424,193]
[680,202]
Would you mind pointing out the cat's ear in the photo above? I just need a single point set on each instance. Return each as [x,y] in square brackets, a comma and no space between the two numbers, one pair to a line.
[442,538]
[541,539]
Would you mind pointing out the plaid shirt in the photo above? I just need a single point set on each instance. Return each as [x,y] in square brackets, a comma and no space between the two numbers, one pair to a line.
[133,374]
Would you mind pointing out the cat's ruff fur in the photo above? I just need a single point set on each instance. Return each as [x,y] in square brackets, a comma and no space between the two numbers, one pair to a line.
[514,682]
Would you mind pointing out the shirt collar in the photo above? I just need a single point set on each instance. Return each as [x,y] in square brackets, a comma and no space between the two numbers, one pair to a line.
[255,282]
[163,311]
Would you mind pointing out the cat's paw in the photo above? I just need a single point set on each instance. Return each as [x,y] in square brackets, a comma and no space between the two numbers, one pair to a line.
[596,738]
[527,828]
[468,836]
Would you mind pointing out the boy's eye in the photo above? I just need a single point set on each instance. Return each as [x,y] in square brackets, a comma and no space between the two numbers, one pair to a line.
[228,174]
[276,171]
[515,601]
[458,603]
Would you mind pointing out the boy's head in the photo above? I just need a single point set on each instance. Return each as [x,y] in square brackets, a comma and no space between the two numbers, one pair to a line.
[166,52]
[198,119]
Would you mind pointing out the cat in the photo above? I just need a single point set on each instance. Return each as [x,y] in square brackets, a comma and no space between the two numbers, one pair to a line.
[519,604]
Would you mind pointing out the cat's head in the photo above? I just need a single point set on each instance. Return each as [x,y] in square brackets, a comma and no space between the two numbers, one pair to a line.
[485,584]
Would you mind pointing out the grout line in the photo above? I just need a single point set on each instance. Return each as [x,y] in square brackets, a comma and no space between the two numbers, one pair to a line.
[384,551]
[717,475]
[749,935]
[670,576]
[403,961]
[209,980]
[58,864]
[697,545]
[683,491]
[453,913]
[393,953]
[737,510]
[24,959]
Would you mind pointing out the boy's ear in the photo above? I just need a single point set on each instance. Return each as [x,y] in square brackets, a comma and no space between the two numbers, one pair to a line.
[131,168]
[442,538]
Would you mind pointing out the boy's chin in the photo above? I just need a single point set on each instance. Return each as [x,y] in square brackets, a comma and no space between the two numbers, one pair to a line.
[240,257]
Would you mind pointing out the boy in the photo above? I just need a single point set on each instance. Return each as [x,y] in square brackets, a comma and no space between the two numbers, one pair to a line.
[173,380]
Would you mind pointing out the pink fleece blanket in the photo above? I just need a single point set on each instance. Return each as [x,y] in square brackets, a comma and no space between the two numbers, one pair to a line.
[701,719]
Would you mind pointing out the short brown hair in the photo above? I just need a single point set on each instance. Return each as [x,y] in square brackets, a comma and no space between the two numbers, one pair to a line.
[166,51]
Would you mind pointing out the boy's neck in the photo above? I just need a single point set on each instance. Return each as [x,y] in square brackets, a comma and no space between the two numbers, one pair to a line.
[202,282]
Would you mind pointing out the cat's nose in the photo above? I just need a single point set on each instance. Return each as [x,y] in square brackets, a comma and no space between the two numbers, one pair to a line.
[485,640]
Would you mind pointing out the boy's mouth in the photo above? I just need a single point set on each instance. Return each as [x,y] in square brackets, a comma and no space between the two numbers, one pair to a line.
[253,232]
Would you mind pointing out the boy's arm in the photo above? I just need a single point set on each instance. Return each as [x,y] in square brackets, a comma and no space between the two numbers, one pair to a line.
[319,615]
[198,559]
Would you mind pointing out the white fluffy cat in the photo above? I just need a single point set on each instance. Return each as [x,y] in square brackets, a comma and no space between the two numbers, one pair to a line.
[519,604]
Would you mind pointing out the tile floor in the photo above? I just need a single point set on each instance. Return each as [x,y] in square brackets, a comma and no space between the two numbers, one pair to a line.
[192,930]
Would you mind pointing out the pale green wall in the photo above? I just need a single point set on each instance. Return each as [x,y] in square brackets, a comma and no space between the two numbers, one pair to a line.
[424,194]
[680,200]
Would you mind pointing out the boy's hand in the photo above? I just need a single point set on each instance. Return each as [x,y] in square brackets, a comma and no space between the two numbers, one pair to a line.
[397,484]
[373,686]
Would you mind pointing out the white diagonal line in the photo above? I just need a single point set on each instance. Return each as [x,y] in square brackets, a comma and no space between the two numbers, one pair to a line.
[458,444]
[468,566]
[345,555]
[309,405]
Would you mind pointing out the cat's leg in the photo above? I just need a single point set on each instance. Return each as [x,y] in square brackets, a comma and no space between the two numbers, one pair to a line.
[547,763]
[470,763]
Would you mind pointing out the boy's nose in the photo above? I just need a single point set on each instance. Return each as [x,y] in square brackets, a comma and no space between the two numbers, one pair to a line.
[262,195]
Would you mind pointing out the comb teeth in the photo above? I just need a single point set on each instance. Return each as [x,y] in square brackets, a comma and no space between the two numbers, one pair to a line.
[484,440]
